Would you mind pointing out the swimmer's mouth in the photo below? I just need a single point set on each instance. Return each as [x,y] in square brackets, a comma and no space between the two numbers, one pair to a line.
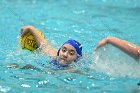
[63,59]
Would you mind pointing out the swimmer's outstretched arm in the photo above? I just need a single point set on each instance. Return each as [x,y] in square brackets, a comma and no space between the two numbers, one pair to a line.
[124,45]
[41,41]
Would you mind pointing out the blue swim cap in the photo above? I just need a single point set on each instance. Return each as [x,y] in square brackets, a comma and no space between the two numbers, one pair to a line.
[77,45]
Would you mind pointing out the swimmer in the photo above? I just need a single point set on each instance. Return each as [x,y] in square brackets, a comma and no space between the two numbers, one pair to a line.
[128,47]
[70,51]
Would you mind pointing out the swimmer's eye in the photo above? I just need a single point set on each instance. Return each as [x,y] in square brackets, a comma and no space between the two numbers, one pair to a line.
[71,53]
[64,49]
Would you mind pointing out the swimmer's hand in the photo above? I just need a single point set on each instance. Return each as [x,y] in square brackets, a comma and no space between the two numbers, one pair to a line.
[102,43]
[13,65]
[25,30]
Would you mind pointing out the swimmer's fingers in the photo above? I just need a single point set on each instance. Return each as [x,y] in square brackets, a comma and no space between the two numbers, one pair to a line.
[13,65]
[25,30]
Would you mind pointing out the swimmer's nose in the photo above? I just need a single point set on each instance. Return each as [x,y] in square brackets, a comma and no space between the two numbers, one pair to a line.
[65,54]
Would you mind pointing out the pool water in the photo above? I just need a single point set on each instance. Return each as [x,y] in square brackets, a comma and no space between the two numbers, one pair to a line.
[88,21]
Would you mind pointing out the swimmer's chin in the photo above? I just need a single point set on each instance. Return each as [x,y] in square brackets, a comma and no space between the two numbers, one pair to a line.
[62,62]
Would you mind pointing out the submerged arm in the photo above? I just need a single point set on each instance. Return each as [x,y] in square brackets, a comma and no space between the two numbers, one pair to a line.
[41,41]
[124,45]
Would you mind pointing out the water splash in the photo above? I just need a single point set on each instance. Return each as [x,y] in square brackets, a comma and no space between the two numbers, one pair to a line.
[114,62]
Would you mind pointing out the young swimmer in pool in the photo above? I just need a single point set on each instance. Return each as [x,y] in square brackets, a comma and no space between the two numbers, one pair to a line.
[69,52]
[130,48]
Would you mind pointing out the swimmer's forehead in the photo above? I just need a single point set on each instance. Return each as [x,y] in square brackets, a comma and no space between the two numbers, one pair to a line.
[69,47]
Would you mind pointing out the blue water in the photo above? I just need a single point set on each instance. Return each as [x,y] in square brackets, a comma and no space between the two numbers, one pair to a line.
[88,21]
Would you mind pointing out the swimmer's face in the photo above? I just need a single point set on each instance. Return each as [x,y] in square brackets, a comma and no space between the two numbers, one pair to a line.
[67,54]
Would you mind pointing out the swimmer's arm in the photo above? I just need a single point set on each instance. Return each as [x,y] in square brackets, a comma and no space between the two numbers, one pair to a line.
[41,41]
[124,45]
